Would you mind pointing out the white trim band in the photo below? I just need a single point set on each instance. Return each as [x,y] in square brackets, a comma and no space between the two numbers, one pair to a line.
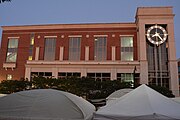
[50,36]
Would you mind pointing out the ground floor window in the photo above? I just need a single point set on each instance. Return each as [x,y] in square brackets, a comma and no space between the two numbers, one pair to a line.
[42,74]
[125,77]
[9,77]
[99,76]
[68,74]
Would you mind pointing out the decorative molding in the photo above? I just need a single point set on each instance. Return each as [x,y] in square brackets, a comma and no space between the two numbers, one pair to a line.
[100,35]
[13,37]
[74,35]
[126,35]
[87,36]
[50,36]
[70,26]
[113,35]
[9,65]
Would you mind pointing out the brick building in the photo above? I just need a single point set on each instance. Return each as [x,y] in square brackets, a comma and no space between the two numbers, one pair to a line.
[179,69]
[141,52]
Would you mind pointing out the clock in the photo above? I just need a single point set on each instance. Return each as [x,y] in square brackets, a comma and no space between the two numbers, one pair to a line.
[156,35]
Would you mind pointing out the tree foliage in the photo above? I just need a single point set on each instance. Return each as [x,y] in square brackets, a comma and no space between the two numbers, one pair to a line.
[1,1]
[11,86]
[163,90]
[86,87]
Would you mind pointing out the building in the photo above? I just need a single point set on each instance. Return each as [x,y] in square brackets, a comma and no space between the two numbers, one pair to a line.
[179,69]
[142,51]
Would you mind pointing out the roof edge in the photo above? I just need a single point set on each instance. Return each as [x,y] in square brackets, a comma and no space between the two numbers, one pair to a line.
[69,26]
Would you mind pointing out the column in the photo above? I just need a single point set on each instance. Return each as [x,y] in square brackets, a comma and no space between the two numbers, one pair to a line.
[142,54]
[113,74]
[61,53]
[28,73]
[83,72]
[37,53]
[113,57]
[173,67]
[55,72]
[86,53]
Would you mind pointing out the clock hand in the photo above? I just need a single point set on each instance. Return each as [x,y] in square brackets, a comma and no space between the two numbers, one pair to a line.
[159,37]
[156,34]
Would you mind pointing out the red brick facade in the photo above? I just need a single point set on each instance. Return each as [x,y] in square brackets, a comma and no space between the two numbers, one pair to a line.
[113,39]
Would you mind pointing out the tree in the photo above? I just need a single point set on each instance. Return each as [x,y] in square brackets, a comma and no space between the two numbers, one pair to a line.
[11,86]
[1,1]
[163,90]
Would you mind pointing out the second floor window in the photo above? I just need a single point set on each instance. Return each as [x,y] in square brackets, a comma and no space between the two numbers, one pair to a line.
[74,48]
[100,48]
[127,48]
[12,50]
[31,47]
[50,47]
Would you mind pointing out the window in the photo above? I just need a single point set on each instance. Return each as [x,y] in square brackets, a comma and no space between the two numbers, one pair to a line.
[12,50]
[126,77]
[100,48]
[50,47]
[31,47]
[99,76]
[127,48]
[74,48]
[68,74]
[9,77]
[42,74]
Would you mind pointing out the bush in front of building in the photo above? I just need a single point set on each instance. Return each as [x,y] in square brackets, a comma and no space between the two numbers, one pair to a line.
[85,86]
[11,86]
[163,90]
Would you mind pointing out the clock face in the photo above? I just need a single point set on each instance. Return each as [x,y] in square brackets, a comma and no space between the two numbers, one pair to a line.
[156,35]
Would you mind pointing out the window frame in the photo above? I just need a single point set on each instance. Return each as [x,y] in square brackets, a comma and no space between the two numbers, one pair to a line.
[12,50]
[50,56]
[127,52]
[74,51]
[100,56]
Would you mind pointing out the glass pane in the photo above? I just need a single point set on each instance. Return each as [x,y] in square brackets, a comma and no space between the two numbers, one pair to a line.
[91,74]
[32,41]
[98,74]
[9,77]
[41,73]
[61,74]
[13,43]
[30,58]
[48,73]
[106,75]
[77,74]
[11,57]
[127,41]
[127,56]
[69,74]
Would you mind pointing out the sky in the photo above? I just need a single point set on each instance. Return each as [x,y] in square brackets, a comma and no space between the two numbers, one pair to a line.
[33,12]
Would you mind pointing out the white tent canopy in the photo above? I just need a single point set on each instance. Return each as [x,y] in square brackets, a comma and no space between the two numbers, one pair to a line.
[1,95]
[117,94]
[176,99]
[44,104]
[140,104]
